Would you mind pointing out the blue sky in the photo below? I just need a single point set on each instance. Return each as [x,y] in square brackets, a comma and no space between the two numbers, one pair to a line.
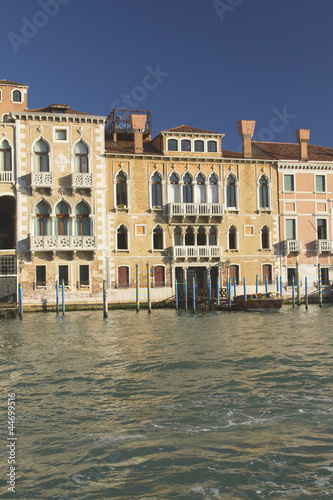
[204,63]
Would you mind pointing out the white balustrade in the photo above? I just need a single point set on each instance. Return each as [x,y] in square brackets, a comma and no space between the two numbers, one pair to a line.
[82,180]
[42,179]
[58,243]
[6,176]
[195,209]
[294,246]
[207,252]
[325,246]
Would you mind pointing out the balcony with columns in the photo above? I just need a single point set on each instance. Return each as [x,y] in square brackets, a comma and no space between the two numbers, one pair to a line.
[42,180]
[180,212]
[324,246]
[197,252]
[81,180]
[293,246]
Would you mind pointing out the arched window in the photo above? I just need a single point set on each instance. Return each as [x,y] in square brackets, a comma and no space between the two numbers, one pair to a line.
[189,236]
[121,189]
[177,236]
[201,236]
[212,146]
[173,188]
[201,190]
[263,192]
[158,238]
[63,225]
[265,243]
[41,150]
[198,146]
[213,236]
[5,157]
[17,97]
[156,190]
[42,220]
[81,158]
[82,222]
[186,145]
[231,191]
[212,189]
[232,238]
[122,238]
[187,189]
[172,145]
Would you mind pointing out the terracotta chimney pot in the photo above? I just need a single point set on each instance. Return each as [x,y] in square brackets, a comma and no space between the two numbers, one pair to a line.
[303,137]
[246,131]
[138,124]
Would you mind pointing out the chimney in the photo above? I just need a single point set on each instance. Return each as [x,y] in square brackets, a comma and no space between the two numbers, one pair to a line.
[138,124]
[246,131]
[303,136]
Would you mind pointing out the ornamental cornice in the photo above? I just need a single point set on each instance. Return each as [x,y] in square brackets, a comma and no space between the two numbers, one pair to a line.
[305,166]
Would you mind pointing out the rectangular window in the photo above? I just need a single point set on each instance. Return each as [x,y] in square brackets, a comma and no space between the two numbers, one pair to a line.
[289,184]
[84,276]
[140,229]
[321,229]
[63,275]
[290,229]
[320,184]
[61,135]
[41,276]
[248,230]
[325,278]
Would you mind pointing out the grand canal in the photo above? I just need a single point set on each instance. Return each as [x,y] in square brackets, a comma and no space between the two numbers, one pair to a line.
[216,406]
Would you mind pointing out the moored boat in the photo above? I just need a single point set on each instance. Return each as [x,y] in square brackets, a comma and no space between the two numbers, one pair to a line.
[259,301]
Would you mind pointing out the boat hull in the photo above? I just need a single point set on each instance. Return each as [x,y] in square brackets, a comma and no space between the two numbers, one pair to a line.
[259,302]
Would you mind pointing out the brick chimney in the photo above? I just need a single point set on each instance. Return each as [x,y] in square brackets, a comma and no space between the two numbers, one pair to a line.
[246,131]
[138,124]
[303,137]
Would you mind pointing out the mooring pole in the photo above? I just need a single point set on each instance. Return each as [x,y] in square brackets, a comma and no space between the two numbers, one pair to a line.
[20,297]
[229,294]
[210,294]
[281,289]
[105,300]
[176,294]
[257,283]
[306,293]
[57,296]
[149,288]
[235,289]
[266,283]
[320,286]
[245,298]
[277,284]
[63,297]
[293,285]
[218,292]
[298,284]
[137,283]
[193,292]
[185,294]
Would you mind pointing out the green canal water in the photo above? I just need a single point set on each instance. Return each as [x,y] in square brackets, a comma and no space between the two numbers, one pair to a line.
[216,406]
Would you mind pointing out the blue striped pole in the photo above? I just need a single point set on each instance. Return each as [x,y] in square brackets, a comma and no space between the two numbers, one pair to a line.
[210,294]
[257,283]
[281,288]
[149,287]
[266,283]
[298,283]
[63,297]
[218,292]
[320,286]
[277,284]
[293,285]
[229,294]
[105,300]
[176,294]
[57,296]
[20,297]
[193,292]
[306,293]
[137,285]
[185,294]
[245,298]
[235,289]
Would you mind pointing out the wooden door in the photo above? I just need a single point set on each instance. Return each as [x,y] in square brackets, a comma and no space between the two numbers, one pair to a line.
[123,275]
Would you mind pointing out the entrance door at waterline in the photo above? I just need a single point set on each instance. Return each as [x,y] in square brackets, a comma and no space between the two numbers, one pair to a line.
[234,274]
[123,277]
[267,271]
[8,286]
[199,274]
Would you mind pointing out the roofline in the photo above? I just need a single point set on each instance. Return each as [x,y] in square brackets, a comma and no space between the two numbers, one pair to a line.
[14,84]
[212,159]
[167,132]
[45,113]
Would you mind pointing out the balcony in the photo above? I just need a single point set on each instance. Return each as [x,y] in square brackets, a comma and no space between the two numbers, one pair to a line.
[62,243]
[194,210]
[325,246]
[82,181]
[294,246]
[6,176]
[42,180]
[197,252]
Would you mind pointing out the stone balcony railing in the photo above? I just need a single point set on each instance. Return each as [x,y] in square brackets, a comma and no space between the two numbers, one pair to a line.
[294,246]
[61,243]
[42,180]
[196,210]
[325,246]
[6,176]
[82,180]
[197,252]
